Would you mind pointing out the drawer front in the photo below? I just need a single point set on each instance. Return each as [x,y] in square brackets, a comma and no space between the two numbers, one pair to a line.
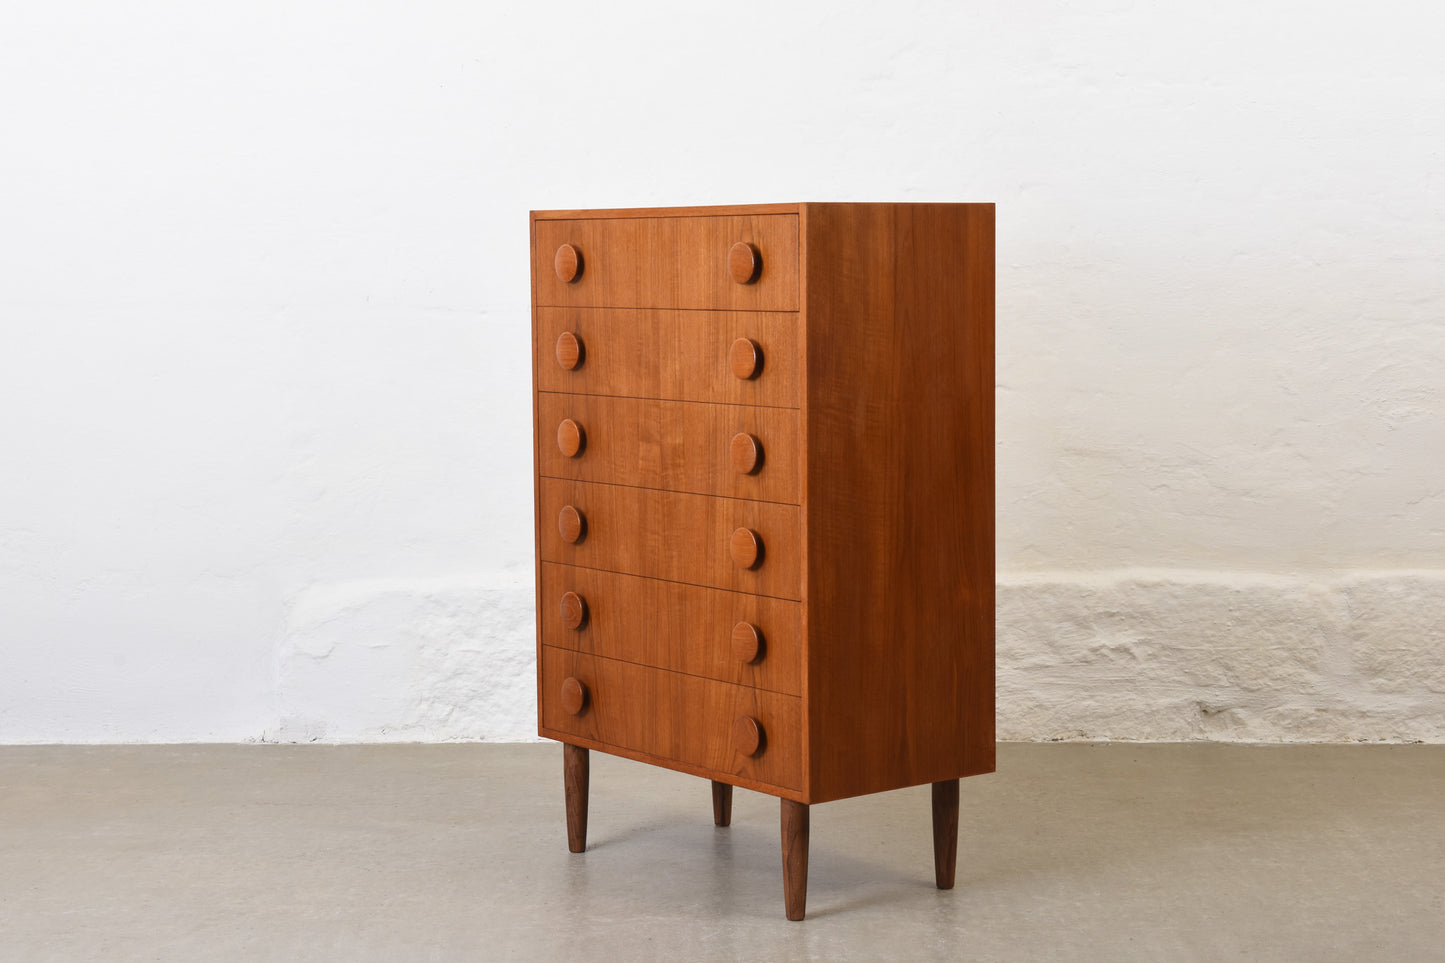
[666,262]
[681,446]
[679,355]
[673,716]
[744,639]
[673,536]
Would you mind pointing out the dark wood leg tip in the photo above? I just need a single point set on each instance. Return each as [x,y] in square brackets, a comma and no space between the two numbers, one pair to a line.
[575,778]
[945,832]
[722,804]
[795,858]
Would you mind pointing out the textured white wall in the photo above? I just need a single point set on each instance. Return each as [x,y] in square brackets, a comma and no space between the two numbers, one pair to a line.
[264,457]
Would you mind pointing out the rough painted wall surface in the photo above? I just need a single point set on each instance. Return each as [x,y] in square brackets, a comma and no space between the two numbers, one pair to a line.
[1175,656]
[265,452]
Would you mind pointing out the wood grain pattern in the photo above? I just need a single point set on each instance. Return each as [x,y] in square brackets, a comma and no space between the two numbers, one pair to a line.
[682,628]
[572,610]
[746,359]
[570,438]
[746,453]
[537,521]
[670,262]
[670,355]
[729,210]
[748,735]
[567,264]
[794,817]
[746,548]
[899,495]
[576,775]
[945,832]
[856,656]
[569,353]
[673,536]
[747,643]
[676,716]
[745,263]
[677,765]
[574,696]
[571,524]
[722,804]
[671,445]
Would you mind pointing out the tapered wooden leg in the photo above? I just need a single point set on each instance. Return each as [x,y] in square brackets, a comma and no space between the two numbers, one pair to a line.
[795,858]
[722,804]
[575,768]
[945,832]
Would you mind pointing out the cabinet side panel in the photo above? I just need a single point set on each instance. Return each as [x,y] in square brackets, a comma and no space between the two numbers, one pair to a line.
[899,503]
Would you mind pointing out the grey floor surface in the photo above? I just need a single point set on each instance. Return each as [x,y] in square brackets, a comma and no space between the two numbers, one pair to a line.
[1069,852]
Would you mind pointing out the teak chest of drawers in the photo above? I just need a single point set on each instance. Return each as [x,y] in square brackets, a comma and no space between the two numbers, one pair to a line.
[765,501]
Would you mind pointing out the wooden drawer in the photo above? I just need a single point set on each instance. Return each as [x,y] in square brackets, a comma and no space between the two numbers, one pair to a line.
[673,717]
[673,536]
[683,628]
[682,446]
[667,262]
[679,355]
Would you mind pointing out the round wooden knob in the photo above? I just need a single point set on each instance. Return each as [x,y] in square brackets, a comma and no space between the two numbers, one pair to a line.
[568,263]
[746,548]
[748,735]
[744,263]
[746,358]
[572,524]
[747,643]
[574,610]
[574,696]
[747,453]
[570,438]
[569,351]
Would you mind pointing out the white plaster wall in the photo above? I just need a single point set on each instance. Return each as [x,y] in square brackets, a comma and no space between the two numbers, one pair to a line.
[264,445]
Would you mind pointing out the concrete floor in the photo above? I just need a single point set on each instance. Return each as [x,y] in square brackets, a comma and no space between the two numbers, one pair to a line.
[1069,852]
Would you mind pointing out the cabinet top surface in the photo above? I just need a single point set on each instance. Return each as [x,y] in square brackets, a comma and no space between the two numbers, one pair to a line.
[727,209]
